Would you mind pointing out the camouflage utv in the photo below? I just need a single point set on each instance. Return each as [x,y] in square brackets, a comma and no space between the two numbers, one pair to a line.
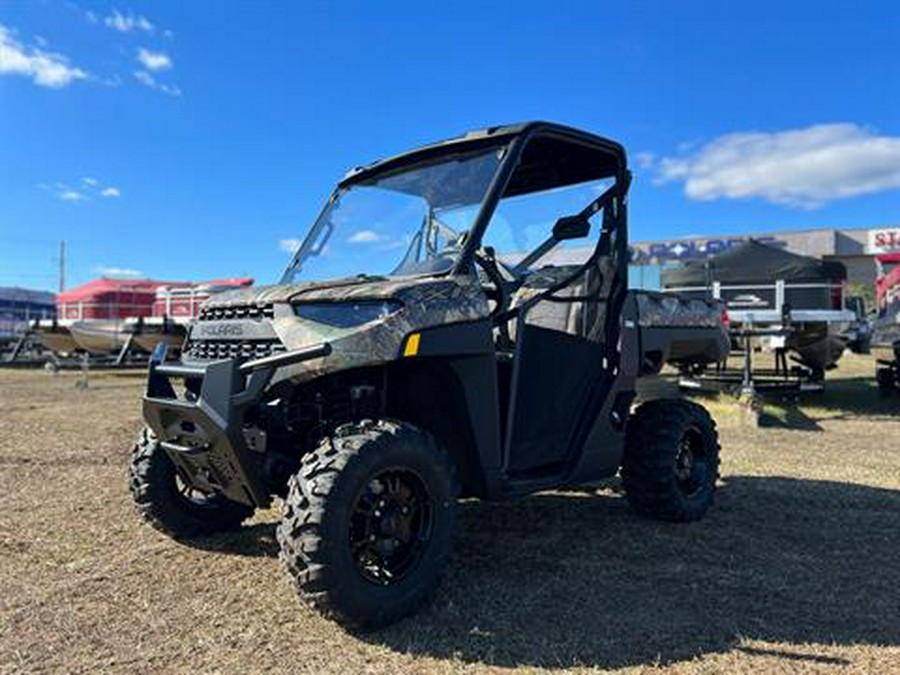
[456,323]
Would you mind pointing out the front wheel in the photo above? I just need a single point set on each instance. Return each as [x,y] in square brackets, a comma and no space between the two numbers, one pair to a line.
[170,504]
[671,460]
[368,522]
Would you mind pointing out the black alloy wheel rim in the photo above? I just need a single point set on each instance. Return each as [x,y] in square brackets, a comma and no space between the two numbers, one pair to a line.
[390,526]
[691,463]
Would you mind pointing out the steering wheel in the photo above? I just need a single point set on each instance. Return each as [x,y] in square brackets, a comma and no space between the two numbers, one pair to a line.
[500,290]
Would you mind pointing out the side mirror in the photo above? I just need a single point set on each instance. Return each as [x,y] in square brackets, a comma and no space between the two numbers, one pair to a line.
[571,227]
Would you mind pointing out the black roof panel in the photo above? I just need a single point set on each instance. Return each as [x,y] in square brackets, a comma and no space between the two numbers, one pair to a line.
[572,165]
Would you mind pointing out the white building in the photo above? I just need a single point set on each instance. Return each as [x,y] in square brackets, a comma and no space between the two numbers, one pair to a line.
[856,248]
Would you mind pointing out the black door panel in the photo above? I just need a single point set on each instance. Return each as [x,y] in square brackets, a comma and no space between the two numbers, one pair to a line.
[554,376]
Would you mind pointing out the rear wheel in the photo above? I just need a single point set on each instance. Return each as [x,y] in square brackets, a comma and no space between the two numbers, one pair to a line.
[169,503]
[368,522]
[671,460]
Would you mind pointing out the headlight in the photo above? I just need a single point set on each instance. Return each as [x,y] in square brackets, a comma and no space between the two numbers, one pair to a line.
[347,314]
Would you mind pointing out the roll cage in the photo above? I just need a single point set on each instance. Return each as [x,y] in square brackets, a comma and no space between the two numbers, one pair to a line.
[537,156]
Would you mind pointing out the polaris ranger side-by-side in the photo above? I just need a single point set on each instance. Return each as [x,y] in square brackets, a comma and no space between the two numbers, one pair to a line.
[457,322]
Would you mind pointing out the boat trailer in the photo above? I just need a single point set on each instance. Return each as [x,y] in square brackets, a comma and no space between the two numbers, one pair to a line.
[27,352]
[748,380]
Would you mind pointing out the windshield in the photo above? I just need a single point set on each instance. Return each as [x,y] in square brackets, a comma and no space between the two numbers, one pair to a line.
[408,222]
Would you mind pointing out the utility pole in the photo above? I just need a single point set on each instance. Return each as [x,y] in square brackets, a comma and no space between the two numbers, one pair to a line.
[62,266]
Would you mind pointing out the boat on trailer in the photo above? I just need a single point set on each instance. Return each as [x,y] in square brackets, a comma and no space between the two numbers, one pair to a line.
[97,312]
[794,303]
[20,308]
[55,335]
[99,336]
[149,331]
[109,316]
[174,308]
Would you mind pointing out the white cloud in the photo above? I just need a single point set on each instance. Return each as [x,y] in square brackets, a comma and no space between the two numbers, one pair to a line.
[154,60]
[148,80]
[44,68]
[801,168]
[87,188]
[106,271]
[364,237]
[289,245]
[644,160]
[396,243]
[111,81]
[125,23]
[70,195]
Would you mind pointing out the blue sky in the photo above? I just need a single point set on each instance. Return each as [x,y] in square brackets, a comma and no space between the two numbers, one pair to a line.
[185,140]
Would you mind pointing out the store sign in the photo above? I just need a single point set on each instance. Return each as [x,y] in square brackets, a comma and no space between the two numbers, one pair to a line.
[694,249]
[883,241]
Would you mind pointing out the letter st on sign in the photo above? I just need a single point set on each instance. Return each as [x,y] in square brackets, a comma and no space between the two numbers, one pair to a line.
[884,241]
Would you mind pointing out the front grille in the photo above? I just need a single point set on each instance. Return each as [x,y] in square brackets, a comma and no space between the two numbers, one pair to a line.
[237,312]
[214,350]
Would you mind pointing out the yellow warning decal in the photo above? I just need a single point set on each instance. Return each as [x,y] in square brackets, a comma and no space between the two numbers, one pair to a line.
[412,345]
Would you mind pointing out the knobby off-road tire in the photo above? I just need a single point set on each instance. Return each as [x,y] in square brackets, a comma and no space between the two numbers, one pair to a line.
[168,505]
[671,460]
[343,509]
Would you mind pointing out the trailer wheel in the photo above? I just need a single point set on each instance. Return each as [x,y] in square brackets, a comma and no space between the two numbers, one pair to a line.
[671,460]
[885,379]
[368,523]
[169,504]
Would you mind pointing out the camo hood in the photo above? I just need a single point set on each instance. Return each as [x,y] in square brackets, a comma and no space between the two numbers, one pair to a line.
[369,287]
[422,302]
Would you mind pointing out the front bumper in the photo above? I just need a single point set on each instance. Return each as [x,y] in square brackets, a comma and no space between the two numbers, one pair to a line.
[205,436]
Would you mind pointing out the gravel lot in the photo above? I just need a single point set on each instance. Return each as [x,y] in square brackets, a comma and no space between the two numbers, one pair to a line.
[795,569]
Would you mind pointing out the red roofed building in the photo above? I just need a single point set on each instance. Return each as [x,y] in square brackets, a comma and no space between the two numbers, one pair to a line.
[123,298]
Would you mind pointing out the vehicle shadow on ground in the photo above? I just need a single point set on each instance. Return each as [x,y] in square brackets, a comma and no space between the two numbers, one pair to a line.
[561,580]
[256,541]
[852,398]
[785,415]
[856,396]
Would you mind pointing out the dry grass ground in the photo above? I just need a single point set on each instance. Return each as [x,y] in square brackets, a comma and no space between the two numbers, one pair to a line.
[795,569]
